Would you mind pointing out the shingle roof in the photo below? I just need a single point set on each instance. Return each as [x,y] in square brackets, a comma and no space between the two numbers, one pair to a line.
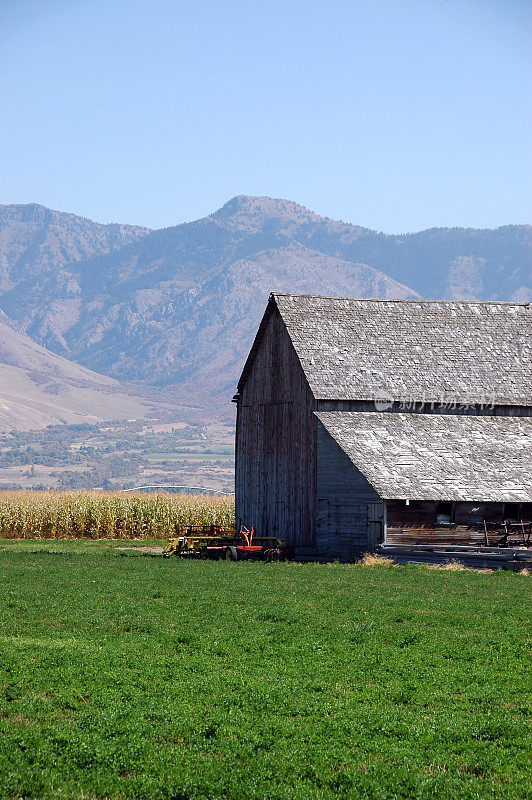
[438,456]
[412,350]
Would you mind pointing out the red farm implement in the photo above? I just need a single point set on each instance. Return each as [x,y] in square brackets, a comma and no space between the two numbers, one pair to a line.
[228,543]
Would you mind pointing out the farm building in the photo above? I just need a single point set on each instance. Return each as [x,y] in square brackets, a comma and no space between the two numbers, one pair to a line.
[370,422]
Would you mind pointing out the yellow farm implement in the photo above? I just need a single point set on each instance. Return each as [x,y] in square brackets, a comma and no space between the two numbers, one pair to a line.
[215,542]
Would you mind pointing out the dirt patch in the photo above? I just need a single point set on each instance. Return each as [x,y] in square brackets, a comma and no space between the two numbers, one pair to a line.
[155,550]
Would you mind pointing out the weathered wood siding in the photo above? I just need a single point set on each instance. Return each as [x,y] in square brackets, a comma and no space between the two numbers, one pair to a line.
[417,521]
[275,483]
[420,514]
[345,510]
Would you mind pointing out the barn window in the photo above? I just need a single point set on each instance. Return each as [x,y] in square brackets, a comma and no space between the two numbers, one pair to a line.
[511,512]
[444,513]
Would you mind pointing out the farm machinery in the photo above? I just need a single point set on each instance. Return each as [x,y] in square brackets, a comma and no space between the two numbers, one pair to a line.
[215,542]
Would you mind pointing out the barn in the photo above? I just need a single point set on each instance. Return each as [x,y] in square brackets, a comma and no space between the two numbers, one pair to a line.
[364,424]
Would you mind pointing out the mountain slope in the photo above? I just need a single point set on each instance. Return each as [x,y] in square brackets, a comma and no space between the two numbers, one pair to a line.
[178,307]
[39,250]
[448,263]
[39,388]
[194,332]
[209,326]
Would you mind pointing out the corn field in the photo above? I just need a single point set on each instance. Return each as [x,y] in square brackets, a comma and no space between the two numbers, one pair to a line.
[107,515]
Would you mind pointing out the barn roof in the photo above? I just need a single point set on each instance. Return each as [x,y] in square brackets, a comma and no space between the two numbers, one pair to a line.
[438,456]
[409,349]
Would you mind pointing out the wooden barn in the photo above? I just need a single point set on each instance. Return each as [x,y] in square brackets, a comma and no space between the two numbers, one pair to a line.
[363,423]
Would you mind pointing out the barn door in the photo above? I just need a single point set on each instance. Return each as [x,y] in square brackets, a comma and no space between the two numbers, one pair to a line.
[375,525]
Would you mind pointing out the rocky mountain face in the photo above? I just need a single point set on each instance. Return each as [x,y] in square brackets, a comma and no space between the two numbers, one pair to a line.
[39,249]
[178,308]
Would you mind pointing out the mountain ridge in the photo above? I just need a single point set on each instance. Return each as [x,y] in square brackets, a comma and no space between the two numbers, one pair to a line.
[177,308]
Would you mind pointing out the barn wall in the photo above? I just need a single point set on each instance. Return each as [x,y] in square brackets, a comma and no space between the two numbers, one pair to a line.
[346,502]
[275,483]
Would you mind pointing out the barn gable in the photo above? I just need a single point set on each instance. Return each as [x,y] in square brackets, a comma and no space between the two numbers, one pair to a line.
[275,471]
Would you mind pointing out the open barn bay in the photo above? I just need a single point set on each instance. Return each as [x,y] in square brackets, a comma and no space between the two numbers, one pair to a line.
[129,676]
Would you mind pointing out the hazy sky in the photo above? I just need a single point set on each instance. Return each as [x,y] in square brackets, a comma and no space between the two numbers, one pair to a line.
[394,114]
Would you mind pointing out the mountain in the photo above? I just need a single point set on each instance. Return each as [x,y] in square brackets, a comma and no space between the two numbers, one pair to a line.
[39,388]
[177,308]
[40,247]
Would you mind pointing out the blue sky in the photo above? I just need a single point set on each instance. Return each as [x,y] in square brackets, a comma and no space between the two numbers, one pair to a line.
[394,114]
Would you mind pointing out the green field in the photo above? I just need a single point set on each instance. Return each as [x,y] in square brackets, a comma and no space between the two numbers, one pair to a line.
[129,676]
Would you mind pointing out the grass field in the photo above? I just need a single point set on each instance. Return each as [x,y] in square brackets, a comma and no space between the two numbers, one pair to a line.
[114,515]
[129,676]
